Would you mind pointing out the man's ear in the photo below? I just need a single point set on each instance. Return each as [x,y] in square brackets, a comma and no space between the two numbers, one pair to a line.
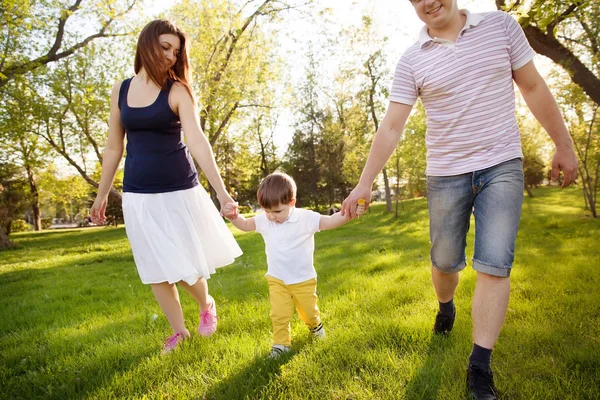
[293,203]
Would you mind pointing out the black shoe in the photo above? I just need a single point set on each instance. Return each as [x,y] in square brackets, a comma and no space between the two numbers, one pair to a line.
[480,384]
[443,323]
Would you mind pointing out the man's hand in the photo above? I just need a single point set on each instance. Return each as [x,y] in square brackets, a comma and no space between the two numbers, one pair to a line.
[350,204]
[564,160]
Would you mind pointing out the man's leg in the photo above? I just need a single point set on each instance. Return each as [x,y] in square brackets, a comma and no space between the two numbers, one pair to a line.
[497,214]
[444,284]
[490,303]
[450,201]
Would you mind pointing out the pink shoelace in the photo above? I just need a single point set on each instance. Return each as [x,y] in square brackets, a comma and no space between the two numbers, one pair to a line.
[208,322]
[172,341]
[207,316]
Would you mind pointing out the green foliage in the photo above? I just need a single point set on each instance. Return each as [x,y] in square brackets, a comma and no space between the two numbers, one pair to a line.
[567,32]
[300,163]
[14,195]
[582,116]
[66,197]
[20,225]
[412,154]
[46,222]
[30,39]
[236,70]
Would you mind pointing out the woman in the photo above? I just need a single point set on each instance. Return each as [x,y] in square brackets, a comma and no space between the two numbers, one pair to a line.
[176,233]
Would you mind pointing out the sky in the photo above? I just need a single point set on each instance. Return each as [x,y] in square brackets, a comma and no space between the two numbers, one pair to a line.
[394,19]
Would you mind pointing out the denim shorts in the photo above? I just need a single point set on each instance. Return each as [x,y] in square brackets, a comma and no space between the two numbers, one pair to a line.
[495,196]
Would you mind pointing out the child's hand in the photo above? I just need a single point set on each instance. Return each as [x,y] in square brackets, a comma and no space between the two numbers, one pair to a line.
[230,211]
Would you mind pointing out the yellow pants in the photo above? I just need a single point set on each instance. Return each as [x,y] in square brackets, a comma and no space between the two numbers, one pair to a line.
[283,298]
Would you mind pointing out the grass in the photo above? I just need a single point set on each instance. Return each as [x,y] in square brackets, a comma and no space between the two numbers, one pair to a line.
[75,321]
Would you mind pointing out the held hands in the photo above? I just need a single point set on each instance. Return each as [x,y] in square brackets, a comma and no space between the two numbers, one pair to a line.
[230,211]
[564,159]
[351,205]
[229,207]
[361,207]
[98,209]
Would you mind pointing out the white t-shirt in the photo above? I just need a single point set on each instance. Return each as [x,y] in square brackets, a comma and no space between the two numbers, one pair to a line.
[290,246]
[467,90]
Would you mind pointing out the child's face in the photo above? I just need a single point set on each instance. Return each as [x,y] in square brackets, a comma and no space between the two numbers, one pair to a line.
[279,214]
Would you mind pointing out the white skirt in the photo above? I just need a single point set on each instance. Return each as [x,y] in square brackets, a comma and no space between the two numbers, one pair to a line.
[177,236]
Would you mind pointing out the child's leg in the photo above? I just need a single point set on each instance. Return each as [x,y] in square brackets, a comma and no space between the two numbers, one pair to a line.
[305,298]
[168,299]
[282,310]
[199,292]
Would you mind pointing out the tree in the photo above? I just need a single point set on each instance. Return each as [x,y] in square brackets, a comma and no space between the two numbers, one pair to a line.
[232,57]
[588,150]
[413,153]
[75,108]
[567,32]
[371,49]
[301,157]
[534,143]
[14,198]
[330,157]
[583,119]
[64,197]
[36,33]
[18,138]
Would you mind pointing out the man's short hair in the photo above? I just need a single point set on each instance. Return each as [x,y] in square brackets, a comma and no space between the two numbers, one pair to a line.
[276,189]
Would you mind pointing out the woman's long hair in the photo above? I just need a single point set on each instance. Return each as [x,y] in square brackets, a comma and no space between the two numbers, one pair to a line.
[149,54]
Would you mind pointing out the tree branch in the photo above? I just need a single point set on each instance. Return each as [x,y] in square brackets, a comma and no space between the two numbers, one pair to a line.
[64,16]
[223,124]
[550,47]
[23,67]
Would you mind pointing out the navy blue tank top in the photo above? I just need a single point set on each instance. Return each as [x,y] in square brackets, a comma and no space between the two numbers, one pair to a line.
[157,160]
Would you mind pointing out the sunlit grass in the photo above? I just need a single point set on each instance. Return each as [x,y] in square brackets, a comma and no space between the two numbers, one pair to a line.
[75,321]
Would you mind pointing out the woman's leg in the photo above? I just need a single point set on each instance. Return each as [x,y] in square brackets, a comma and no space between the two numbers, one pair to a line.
[199,292]
[168,299]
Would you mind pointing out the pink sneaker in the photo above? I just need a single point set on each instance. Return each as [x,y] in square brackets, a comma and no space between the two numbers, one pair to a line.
[208,320]
[173,341]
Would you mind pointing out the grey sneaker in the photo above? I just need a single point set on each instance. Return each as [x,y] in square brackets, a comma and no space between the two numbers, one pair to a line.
[278,350]
[318,331]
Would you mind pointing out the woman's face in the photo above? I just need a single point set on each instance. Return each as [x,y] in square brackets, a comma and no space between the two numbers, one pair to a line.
[170,45]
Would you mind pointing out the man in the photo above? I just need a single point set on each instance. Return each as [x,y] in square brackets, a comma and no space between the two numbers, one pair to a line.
[462,68]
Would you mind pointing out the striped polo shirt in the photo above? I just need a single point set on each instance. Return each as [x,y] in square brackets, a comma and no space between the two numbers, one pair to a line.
[467,90]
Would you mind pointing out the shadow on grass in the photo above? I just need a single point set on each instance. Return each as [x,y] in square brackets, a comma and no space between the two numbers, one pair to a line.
[59,367]
[426,383]
[253,378]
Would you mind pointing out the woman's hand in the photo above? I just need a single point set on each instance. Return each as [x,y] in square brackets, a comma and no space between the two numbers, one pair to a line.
[98,209]
[229,207]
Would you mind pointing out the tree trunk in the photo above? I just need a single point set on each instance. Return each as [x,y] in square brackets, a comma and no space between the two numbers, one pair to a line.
[528,189]
[4,240]
[388,194]
[35,203]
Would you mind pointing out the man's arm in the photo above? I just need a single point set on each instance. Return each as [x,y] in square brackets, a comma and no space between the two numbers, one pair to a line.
[385,142]
[542,104]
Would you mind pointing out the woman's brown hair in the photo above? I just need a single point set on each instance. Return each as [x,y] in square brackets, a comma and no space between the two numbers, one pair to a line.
[149,55]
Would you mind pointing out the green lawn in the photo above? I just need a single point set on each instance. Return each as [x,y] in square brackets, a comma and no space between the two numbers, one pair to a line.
[75,321]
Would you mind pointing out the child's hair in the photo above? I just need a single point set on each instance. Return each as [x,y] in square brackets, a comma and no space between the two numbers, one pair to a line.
[276,189]
[149,55]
